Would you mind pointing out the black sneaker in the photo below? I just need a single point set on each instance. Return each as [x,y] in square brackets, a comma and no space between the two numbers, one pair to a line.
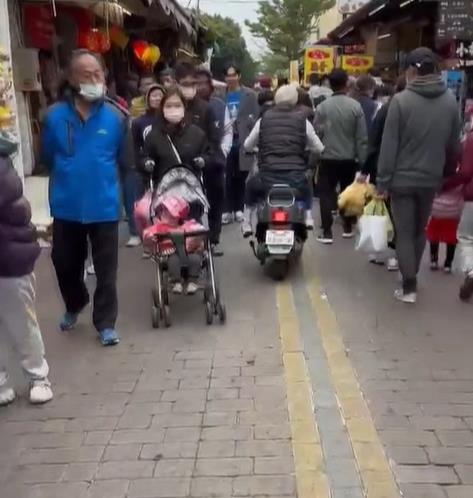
[326,237]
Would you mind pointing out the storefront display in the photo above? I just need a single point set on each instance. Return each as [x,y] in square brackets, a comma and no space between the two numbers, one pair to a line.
[7,116]
[357,64]
[318,59]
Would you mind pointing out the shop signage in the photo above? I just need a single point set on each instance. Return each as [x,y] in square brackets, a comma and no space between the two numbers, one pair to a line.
[455,19]
[354,49]
[38,25]
[357,64]
[318,59]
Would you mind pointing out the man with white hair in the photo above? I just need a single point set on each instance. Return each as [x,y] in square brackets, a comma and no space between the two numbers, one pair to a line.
[283,136]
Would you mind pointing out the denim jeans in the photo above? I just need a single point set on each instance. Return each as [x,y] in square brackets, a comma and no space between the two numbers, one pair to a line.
[130,195]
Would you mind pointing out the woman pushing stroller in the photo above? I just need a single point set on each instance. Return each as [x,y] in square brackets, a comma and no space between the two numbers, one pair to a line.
[173,141]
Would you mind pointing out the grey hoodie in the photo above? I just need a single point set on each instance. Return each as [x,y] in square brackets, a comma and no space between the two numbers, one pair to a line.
[422,127]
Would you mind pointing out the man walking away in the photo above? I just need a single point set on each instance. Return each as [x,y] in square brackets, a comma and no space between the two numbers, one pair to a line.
[19,251]
[242,103]
[214,173]
[420,141]
[340,122]
[365,87]
[318,91]
[85,142]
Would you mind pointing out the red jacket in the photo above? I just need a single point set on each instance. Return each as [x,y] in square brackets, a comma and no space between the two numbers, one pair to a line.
[464,174]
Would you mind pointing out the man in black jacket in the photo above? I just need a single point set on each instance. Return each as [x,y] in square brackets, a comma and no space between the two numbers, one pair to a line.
[202,114]
[19,251]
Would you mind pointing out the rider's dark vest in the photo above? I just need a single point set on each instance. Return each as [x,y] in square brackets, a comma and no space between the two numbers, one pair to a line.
[282,140]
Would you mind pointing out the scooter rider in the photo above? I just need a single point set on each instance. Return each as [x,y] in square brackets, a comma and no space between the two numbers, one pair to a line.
[283,136]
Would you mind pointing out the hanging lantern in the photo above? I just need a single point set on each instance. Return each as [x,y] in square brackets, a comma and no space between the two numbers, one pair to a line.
[146,54]
[95,40]
[151,56]
[119,37]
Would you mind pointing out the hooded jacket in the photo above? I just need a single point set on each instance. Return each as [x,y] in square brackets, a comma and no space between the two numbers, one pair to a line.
[422,130]
[19,249]
[142,124]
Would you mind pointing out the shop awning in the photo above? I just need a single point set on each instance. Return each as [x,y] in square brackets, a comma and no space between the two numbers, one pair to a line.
[173,9]
[368,10]
[161,13]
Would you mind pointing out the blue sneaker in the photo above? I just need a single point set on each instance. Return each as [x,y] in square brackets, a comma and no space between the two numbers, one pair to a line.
[68,321]
[109,337]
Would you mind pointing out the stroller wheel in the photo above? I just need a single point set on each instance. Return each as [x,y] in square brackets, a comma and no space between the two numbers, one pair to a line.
[207,294]
[155,317]
[155,295]
[166,315]
[209,315]
[221,312]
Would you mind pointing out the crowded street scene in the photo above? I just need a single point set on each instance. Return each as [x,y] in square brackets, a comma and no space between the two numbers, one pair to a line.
[236,249]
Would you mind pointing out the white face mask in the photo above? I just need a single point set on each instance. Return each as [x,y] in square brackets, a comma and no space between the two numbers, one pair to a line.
[189,92]
[174,115]
[92,91]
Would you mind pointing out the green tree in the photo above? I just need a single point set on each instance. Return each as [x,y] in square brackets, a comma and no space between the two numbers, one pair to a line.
[226,38]
[273,64]
[286,25]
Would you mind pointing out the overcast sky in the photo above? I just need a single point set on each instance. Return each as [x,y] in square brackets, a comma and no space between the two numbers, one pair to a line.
[238,10]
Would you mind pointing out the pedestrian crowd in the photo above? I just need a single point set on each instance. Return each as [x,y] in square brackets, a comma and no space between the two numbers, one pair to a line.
[104,152]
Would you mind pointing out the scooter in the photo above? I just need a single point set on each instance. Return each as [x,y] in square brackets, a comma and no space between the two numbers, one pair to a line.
[280,230]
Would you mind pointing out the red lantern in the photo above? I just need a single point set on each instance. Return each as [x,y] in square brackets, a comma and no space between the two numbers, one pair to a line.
[96,41]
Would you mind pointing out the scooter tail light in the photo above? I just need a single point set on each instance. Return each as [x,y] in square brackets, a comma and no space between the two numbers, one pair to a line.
[279,216]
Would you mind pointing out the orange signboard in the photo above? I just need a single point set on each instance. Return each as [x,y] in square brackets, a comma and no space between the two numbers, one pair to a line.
[318,59]
[357,64]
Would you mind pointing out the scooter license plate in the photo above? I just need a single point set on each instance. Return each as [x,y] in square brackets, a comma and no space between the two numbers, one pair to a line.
[280,237]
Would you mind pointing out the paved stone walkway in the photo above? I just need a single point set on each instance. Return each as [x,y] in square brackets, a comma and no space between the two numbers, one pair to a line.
[318,387]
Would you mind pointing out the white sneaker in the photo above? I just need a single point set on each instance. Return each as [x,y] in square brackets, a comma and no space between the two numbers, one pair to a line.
[309,220]
[410,298]
[393,264]
[7,396]
[133,241]
[348,235]
[40,392]
[239,216]
[227,218]
[177,288]
[192,288]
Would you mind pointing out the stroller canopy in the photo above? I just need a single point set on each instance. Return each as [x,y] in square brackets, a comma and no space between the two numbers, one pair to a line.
[181,182]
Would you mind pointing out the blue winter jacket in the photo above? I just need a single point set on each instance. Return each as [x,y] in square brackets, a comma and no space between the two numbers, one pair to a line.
[84,158]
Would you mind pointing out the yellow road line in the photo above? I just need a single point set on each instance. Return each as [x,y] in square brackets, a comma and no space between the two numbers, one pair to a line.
[311,478]
[376,474]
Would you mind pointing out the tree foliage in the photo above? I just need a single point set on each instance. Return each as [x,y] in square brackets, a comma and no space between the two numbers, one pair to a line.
[286,25]
[225,36]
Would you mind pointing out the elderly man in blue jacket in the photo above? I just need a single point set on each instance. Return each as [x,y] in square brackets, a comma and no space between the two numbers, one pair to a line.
[85,142]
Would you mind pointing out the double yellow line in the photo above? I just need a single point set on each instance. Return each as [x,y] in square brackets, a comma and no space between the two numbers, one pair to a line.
[311,477]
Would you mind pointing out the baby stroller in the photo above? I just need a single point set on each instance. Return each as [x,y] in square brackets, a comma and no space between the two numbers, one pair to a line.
[181,194]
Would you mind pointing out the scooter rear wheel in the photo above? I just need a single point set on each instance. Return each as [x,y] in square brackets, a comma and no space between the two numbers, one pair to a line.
[278,269]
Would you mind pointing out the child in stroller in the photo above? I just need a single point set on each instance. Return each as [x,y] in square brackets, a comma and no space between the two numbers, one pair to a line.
[178,238]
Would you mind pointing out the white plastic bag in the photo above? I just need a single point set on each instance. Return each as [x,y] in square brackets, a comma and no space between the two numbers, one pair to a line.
[373,233]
